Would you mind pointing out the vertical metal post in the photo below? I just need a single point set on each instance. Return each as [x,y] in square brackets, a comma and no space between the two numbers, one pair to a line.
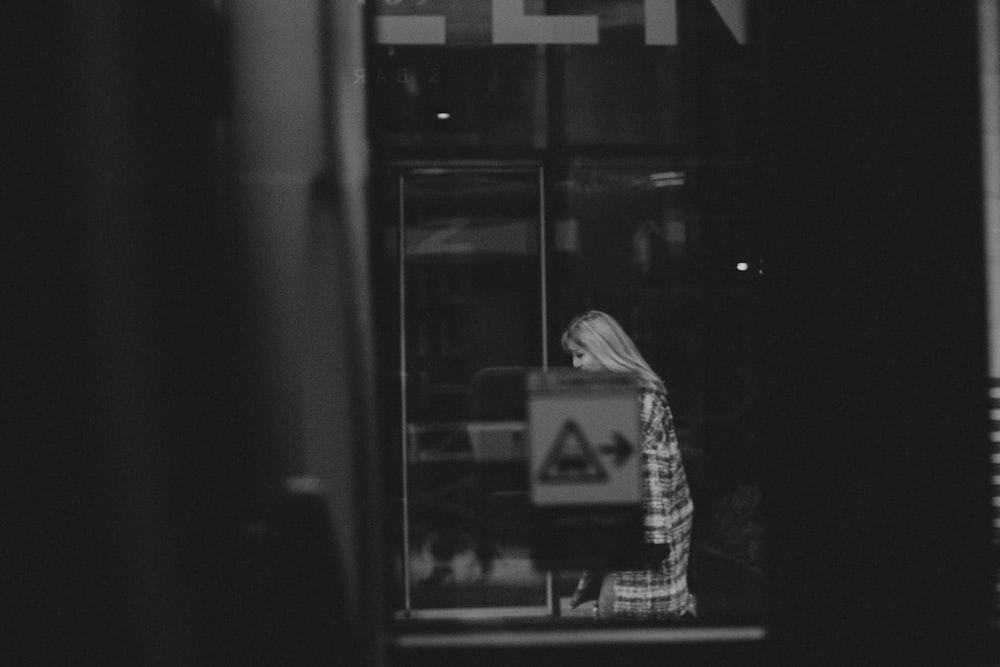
[404,438]
[543,252]
[989,85]
[551,595]
[340,414]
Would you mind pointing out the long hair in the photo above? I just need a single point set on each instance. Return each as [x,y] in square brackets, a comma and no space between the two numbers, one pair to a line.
[603,337]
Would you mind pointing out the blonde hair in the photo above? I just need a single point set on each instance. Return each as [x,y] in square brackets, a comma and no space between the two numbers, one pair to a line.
[599,334]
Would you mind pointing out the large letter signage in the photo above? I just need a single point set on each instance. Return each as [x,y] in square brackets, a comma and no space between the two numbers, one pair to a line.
[395,29]
[510,25]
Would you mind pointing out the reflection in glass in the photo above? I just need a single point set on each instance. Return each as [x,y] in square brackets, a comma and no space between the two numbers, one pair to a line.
[472,306]
[522,180]
[658,248]
[657,245]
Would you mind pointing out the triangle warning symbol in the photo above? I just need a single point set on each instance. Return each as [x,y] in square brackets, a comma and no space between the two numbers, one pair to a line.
[571,458]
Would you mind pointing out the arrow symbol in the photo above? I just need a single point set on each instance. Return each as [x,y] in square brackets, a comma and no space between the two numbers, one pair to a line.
[620,448]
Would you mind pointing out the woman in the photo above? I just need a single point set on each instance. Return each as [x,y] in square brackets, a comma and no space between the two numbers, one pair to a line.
[597,342]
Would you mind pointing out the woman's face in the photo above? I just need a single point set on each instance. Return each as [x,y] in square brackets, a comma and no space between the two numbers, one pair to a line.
[583,359]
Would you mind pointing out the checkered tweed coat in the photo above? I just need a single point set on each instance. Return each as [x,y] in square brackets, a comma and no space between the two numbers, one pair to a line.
[660,592]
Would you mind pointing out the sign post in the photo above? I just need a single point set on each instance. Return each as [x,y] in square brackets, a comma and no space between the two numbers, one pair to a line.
[585,468]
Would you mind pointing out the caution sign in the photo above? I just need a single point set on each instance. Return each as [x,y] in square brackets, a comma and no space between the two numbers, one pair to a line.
[572,459]
[586,469]
[583,430]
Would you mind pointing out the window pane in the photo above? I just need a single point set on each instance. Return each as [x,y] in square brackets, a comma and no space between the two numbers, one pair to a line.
[635,119]
[501,78]
[654,247]
[472,317]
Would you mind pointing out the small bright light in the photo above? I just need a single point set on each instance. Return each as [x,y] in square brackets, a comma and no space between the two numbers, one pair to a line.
[444,115]
[742,266]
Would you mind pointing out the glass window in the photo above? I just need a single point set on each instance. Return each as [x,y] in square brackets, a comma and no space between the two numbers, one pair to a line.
[502,77]
[653,246]
[533,160]
[469,301]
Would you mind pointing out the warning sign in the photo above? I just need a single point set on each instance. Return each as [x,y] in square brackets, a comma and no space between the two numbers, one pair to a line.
[572,459]
[583,430]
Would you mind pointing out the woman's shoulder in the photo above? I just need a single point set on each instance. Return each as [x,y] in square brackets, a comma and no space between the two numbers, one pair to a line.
[653,397]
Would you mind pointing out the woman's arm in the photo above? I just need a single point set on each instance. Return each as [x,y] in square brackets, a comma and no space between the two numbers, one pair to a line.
[667,499]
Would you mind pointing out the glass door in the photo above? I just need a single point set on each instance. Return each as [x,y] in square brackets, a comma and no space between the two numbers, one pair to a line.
[463,247]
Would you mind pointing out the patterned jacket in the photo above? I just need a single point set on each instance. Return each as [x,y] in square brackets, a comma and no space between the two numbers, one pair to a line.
[661,590]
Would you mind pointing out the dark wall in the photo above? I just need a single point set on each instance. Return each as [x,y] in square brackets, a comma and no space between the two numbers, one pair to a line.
[876,394]
[137,419]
